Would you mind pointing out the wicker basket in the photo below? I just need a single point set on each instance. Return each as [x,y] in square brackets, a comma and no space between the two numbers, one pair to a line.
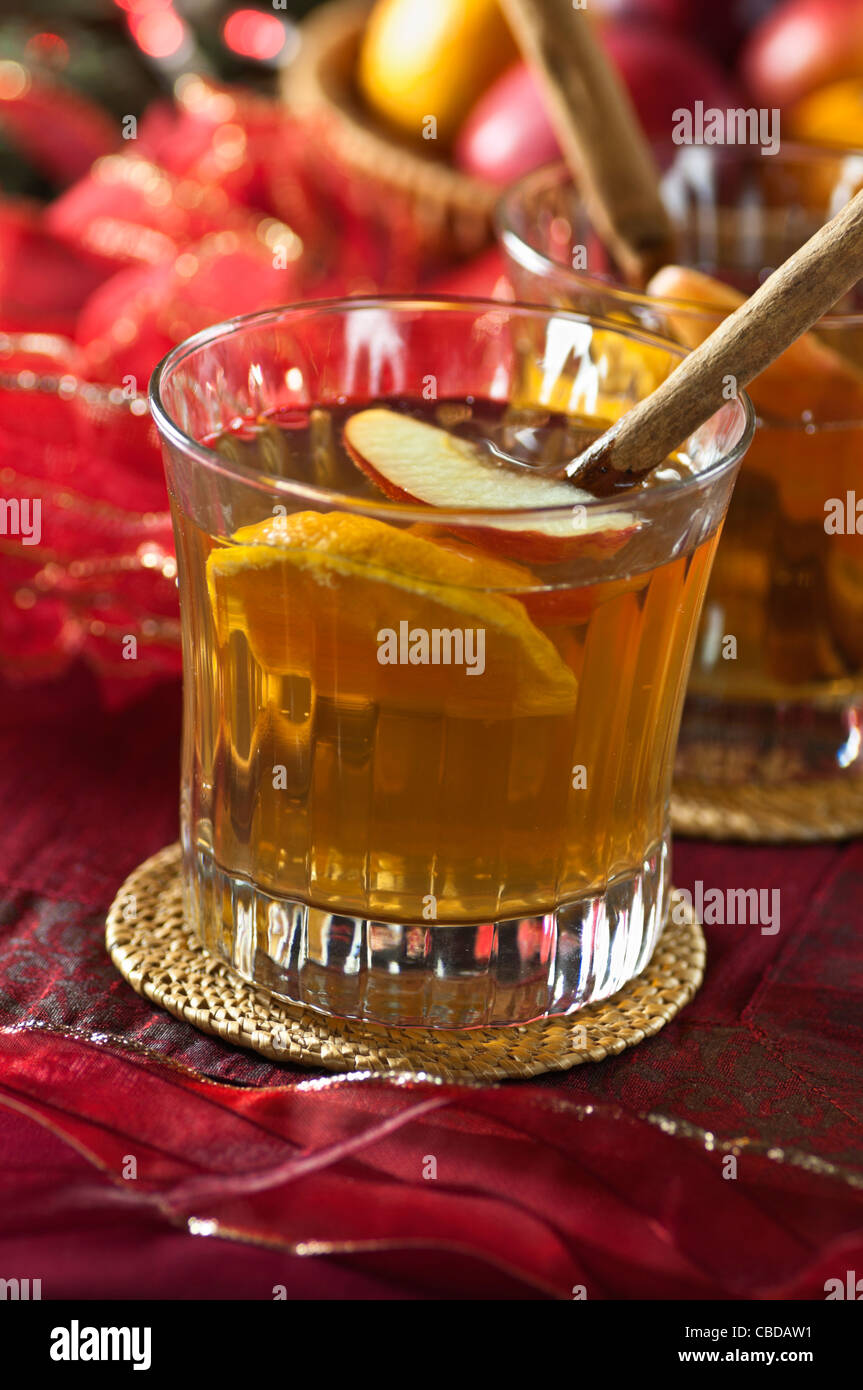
[449,213]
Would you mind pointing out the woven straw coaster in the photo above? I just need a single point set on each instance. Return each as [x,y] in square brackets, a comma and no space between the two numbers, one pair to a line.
[769,814]
[162,959]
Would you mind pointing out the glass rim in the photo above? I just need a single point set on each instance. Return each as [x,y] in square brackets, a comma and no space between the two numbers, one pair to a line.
[171,432]
[537,262]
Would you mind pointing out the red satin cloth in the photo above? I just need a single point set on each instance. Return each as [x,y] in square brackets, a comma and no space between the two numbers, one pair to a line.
[602,1177]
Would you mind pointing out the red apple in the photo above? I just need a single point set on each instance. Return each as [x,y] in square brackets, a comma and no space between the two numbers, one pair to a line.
[663,72]
[508,133]
[718,24]
[802,45]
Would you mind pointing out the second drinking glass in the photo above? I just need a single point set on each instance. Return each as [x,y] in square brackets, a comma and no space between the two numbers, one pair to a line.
[770,743]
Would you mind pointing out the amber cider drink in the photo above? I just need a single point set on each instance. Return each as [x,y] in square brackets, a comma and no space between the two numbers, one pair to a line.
[428,752]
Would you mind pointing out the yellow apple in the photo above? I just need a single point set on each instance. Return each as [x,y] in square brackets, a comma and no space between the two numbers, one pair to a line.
[424,63]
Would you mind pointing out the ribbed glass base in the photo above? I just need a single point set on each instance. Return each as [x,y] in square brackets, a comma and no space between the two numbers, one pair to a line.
[428,974]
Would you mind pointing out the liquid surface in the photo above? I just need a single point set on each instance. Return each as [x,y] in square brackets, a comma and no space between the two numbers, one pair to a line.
[307,445]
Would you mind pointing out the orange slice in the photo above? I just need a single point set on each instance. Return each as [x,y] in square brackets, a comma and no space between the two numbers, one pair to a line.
[550,606]
[807,377]
[490,571]
[326,596]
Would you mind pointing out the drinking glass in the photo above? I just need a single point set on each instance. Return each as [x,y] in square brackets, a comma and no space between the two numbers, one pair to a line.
[427,751]
[775,704]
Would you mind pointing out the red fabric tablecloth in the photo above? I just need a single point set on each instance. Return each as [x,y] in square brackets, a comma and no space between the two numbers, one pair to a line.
[613,1176]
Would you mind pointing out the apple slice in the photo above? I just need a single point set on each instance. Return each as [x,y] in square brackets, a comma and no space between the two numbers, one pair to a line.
[411,461]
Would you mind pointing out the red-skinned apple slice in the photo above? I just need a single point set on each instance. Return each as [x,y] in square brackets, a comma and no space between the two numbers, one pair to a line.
[411,461]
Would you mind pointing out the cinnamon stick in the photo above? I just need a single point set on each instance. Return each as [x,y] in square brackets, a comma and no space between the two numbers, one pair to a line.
[790,301]
[599,132]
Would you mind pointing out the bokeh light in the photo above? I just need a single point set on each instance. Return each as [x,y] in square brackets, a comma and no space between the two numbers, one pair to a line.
[159,33]
[252,34]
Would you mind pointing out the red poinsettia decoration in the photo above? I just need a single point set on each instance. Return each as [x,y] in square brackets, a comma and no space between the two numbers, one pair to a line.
[160,236]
